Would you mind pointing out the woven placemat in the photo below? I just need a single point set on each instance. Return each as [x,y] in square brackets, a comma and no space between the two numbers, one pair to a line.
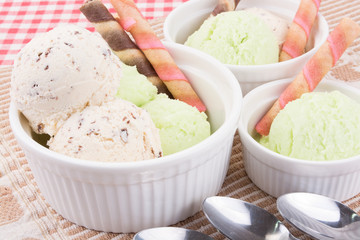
[26,215]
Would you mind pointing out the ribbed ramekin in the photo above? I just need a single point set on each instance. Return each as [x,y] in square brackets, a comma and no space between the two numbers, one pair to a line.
[188,17]
[277,174]
[128,197]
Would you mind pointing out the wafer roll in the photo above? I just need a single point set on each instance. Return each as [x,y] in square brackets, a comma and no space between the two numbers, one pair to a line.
[300,29]
[120,42]
[224,6]
[314,70]
[132,21]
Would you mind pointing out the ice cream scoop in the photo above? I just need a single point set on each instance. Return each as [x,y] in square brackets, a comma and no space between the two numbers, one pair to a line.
[134,87]
[181,125]
[60,72]
[318,126]
[116,131]
[236,37]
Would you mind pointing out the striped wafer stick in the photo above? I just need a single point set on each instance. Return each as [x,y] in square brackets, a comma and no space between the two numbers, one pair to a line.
[224,6]
[132,21]
[120,42]
[314,70]
[299,31]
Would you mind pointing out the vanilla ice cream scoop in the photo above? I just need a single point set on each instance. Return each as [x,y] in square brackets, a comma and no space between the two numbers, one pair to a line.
[116,131]
[60,72]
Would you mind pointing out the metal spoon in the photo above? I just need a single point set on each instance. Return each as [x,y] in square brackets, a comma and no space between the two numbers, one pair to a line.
[173,233]
[237,220]
[319,216]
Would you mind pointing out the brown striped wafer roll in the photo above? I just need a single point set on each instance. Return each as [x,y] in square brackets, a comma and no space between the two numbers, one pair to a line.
[224,6]
[120,42]
[132,20]
[314,70]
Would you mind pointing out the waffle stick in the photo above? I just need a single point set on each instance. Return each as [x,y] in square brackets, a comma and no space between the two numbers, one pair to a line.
[314,70]
[298,34]
[132,21]
[120,42]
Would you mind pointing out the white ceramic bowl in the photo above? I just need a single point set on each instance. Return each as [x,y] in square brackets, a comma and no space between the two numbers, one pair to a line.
[187,18]
[277,174]
[128,197]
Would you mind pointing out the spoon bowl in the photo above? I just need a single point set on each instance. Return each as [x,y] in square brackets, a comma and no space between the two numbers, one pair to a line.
[319,216]
[237,220]
[174,233]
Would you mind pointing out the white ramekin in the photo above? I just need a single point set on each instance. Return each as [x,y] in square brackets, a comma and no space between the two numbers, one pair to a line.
[128,197]
[277,174]
[187,18]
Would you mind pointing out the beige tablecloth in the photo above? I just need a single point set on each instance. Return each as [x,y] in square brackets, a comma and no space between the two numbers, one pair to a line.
[24,213]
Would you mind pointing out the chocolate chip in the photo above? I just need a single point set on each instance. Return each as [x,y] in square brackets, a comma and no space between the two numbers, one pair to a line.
[80,123]
[69,44]
[79,148]
[40,127]
[38,59]
[54,97]
[48,51]
[93,131]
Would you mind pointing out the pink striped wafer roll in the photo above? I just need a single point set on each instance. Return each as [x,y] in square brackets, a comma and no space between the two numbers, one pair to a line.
[299,31]
[314,70]
[132,21]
